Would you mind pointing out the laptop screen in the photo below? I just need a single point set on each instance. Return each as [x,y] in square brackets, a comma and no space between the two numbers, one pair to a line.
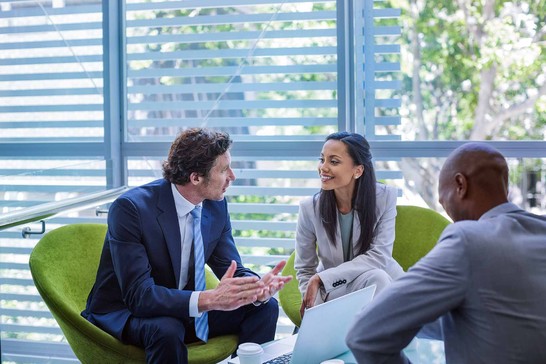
[322,332]
[324,327]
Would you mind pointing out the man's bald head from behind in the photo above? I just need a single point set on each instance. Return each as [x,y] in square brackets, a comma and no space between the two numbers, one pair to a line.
[473,180]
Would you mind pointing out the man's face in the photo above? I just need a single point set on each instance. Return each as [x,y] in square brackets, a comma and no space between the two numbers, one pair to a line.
[443,195]
[220,176]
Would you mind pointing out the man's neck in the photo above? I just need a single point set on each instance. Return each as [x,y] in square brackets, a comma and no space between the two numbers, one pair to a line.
[189,193]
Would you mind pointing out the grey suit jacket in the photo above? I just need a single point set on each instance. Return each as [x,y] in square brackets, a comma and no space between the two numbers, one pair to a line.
[315,254]
[485,280]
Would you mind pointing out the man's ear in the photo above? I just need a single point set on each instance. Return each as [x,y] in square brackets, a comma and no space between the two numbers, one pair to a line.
[195,178]
[462,185]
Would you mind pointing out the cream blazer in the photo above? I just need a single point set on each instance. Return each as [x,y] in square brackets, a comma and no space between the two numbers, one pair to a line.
[315,254]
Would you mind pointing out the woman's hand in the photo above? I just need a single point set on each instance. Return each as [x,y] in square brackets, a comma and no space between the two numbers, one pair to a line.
[313,287]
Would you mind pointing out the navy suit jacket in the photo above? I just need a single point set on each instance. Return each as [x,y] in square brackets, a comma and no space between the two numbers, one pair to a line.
[139,269]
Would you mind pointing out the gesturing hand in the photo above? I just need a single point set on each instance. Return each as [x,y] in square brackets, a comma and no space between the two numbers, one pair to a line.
[273,282]
[231,293]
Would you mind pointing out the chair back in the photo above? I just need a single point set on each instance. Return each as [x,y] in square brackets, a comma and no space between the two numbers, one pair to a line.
[290,296]
[417,231]
[64,265]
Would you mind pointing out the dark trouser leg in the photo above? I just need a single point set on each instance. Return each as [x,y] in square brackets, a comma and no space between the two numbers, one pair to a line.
[161,337]
[252,323]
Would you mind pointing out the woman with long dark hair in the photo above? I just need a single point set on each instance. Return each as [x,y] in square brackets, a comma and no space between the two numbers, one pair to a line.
[345,232]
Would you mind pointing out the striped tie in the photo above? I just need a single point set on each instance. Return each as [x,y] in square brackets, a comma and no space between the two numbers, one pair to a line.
[201,323]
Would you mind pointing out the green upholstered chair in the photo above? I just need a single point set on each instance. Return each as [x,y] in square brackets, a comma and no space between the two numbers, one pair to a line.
[64,265]
[290,296]
[417,230]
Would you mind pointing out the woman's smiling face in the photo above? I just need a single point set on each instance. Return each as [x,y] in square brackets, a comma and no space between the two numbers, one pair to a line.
[336,167]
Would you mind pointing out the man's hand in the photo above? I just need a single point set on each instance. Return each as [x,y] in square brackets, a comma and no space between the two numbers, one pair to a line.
[313,287]
[272,282]
[231,293]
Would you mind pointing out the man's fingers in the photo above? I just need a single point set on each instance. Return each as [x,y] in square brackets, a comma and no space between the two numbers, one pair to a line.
[231,270]
[279,281]
[243,285]
[278,267]
[246,296]
[272,275]
[248,282]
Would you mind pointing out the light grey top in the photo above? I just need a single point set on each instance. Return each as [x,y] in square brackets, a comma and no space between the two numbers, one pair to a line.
[484,280]
[346,227]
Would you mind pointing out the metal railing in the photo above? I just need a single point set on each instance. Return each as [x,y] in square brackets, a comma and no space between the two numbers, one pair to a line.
[49,209]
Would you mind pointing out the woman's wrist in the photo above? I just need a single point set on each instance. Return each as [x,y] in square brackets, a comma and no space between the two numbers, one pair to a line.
[316,280]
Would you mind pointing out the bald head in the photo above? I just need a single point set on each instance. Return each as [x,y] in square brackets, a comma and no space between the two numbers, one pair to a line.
[473,180]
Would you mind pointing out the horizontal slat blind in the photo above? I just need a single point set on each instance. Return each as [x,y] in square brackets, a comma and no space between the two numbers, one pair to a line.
[51,91]
[378,65]
[251,68]
[51,71]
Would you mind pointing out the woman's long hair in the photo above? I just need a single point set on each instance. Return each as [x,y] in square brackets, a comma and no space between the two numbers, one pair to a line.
[364,198]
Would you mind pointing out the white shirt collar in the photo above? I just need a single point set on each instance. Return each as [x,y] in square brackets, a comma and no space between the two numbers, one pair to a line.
[183,206]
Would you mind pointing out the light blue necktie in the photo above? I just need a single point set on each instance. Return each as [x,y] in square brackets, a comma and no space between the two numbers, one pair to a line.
[201,323]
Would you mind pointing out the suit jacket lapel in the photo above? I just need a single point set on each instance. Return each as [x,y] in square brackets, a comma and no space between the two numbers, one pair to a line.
[168,220]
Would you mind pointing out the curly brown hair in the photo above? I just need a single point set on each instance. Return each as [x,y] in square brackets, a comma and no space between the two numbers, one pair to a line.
[194,150]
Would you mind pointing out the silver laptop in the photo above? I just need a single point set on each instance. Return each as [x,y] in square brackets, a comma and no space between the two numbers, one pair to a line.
[322,332]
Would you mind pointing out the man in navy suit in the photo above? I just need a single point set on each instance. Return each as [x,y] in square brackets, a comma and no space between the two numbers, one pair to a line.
[145,294]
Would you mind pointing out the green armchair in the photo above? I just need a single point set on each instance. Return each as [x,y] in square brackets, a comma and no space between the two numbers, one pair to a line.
[417,230]
[63,265]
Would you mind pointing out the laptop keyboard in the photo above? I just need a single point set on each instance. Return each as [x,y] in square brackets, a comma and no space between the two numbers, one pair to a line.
[283,359]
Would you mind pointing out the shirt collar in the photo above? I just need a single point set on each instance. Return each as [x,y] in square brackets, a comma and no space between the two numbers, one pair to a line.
[183,206]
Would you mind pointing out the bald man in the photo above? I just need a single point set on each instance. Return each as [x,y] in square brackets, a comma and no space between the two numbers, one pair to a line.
[482,288]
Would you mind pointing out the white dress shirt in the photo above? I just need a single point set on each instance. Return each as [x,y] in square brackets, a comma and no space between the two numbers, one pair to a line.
[185,222]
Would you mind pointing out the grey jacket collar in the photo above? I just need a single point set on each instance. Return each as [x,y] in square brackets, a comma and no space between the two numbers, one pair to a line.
[500,209]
